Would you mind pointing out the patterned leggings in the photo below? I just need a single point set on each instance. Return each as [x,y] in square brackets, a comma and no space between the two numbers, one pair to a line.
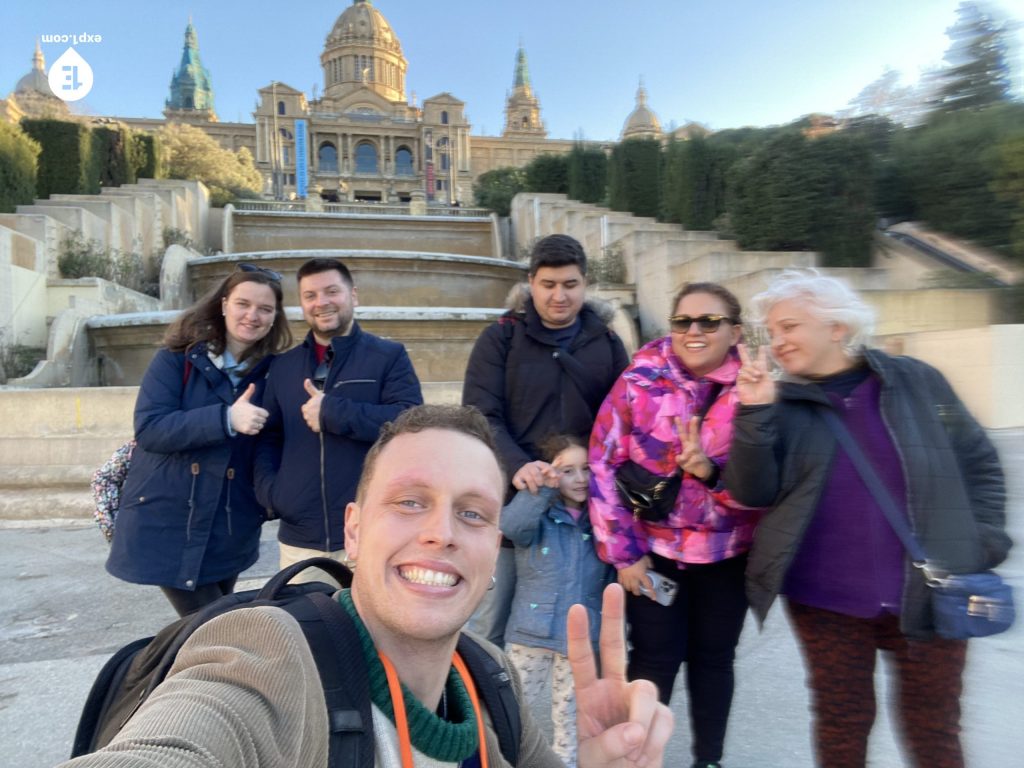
[536,666]
[840,653]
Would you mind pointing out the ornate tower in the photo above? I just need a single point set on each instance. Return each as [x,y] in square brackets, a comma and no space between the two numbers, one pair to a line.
[642,123]
[191,92]
[363,52]
[522,109]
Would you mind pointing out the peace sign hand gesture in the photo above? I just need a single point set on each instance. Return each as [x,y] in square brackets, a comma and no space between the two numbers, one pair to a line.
[691,458]
[618,723]
[754,383]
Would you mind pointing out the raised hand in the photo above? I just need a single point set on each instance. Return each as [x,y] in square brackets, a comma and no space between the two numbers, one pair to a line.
[754,383]
[618,723]
[247,418]
[311,408]
[531,476]
[691,458]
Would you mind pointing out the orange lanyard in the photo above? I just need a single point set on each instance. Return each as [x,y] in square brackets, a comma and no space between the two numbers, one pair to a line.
[402,722]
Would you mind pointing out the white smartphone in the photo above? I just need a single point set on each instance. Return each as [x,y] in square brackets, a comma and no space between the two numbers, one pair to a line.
[664,591]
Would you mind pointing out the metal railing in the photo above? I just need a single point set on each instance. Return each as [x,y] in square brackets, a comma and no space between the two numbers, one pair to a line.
[369,208]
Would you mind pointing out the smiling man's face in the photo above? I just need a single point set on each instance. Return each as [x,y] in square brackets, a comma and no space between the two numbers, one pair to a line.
[424,536]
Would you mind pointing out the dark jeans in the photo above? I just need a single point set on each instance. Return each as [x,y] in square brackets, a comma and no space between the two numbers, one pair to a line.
[702,627]
[185,601]
[841,651]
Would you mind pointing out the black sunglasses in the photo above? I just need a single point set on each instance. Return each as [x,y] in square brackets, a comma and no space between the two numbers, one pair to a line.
[707,323]
[275,276]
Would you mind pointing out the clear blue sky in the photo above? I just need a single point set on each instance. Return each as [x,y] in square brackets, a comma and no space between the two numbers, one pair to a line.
[725,63]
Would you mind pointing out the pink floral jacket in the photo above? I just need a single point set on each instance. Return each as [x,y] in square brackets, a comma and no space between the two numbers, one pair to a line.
[638,421]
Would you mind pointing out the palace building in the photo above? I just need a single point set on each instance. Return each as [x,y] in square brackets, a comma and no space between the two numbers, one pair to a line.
[362,138]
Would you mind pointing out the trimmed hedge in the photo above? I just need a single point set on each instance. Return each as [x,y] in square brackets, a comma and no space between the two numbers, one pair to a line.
[67,163]
[19,158]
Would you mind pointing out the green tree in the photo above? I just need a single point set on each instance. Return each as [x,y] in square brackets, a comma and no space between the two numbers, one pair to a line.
[67,162]
[547,173]
[1008,186]
[978,75]
[800,194]
[192,154]
[949,166]
[19,158]
[634,178]
[495,189]
[588,174]
[694,192]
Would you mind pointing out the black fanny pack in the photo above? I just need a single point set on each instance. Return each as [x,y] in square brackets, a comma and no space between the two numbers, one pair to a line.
[648,496]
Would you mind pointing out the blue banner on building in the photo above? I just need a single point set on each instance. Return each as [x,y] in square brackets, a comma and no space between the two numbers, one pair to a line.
[301,170]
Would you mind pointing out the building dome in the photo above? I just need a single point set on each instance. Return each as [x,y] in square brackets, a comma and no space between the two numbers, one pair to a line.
[362,51]
[33,94]
[35,81]
[642,123]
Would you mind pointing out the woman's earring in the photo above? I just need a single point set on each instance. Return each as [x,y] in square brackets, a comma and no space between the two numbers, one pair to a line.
[493,582]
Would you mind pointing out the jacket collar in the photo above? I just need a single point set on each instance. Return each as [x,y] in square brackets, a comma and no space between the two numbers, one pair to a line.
[337,341]
[590,324]
[801,388]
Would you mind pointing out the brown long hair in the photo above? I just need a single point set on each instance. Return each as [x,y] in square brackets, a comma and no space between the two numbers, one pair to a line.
[204,320]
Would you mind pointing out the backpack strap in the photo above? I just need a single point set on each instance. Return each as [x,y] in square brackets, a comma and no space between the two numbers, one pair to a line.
[334,643]
[494,686]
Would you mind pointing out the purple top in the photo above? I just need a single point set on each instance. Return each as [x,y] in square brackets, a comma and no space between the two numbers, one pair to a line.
[850,560]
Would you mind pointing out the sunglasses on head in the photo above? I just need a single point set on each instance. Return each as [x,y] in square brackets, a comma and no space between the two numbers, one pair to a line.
[707,323]
[275,276]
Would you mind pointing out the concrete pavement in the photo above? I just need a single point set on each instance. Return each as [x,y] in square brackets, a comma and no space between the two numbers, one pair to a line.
[62,616]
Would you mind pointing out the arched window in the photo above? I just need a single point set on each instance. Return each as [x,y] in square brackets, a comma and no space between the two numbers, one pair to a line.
[366,158]
[285,134]
[403,162]
[280,107]
[327,158]
[444,117]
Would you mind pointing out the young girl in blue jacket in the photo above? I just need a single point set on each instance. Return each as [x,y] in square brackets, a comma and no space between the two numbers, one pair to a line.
[556,566]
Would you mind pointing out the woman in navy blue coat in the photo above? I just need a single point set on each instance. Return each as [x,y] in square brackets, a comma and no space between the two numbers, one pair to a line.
[189,521]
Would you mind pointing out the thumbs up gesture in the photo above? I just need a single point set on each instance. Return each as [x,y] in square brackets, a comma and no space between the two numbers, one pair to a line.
[311,408]
[691,458]
[247,418]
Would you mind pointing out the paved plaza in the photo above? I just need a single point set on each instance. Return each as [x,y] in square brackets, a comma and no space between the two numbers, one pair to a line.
[62,616]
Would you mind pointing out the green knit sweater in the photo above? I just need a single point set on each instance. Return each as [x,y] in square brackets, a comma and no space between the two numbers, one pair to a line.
[451,740]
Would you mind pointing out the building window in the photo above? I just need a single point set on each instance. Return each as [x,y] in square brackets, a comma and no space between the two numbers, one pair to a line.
[285,134]
[286,155]
[403,162]
[280,107]
[366,158]
[442,151]
[327,158]
[444,117]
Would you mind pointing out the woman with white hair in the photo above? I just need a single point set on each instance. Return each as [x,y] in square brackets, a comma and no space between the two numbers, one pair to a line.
[826,544]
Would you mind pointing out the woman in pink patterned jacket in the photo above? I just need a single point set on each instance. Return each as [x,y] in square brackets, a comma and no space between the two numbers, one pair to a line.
[671,412]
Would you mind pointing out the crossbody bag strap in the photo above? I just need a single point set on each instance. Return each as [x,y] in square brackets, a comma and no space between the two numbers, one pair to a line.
[874,484]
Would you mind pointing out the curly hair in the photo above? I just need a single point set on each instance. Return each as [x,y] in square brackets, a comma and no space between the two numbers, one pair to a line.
[829,299]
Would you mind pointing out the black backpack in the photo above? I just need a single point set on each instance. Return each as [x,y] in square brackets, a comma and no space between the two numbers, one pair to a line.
[131,674]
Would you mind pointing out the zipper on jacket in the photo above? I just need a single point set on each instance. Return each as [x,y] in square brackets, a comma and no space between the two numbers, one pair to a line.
[323,494]
[227,503]
[908,565]
[191,501]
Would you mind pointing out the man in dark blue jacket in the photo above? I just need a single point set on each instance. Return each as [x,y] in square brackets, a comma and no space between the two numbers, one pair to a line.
[327,399]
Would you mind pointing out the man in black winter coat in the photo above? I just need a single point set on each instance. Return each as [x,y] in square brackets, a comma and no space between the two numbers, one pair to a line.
[541,370]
